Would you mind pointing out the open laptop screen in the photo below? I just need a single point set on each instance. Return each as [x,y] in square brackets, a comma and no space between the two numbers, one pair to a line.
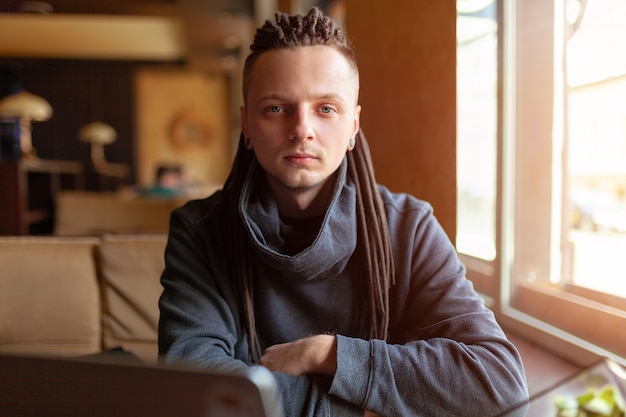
[38,386]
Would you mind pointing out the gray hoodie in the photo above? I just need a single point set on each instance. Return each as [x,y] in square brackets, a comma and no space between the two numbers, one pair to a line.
[445,355]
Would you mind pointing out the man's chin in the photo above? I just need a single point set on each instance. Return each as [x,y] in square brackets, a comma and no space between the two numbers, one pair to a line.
[300,183]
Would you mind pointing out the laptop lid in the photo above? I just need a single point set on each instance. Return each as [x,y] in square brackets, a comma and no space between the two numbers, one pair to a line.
[40,386]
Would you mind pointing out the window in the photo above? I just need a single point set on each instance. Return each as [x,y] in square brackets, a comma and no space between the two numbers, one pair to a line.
[477,110]
[596,153]
[559,206]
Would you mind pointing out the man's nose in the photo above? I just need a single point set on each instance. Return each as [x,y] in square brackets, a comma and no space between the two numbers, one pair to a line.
[301,125]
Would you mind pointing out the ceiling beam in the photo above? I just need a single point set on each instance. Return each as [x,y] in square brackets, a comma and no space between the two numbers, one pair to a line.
[156,38]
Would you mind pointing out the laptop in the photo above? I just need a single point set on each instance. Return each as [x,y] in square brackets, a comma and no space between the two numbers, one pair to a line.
[46,386]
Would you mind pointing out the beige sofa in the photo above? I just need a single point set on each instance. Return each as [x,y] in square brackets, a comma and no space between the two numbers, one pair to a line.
[73,296]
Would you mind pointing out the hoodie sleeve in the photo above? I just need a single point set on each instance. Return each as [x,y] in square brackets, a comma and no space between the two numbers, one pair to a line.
[446,354]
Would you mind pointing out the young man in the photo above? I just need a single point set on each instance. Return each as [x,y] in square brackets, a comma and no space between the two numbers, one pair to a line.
[352,295]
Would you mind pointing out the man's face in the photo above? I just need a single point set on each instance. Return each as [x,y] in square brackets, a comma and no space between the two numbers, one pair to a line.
[301,111]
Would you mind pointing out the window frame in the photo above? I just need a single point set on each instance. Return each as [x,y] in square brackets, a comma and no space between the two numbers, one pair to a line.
[573,322]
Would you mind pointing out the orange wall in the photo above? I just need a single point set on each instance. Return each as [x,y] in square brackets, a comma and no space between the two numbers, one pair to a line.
[407,56]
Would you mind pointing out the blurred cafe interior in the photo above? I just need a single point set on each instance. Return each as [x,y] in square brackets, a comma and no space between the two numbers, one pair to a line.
[508,116]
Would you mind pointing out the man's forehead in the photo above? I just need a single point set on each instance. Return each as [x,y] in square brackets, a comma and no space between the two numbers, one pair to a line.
[275,72]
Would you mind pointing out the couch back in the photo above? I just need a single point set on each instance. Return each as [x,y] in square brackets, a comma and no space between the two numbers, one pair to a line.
[71,296]
[49,296]
[130,268]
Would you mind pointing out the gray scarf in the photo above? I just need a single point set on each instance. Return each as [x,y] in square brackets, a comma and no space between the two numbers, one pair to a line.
[331,248]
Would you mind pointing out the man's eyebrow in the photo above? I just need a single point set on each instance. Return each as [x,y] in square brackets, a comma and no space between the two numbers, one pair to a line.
[321,96]
[331,96]
[272,96]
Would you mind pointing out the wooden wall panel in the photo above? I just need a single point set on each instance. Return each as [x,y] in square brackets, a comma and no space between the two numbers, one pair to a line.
[407,56]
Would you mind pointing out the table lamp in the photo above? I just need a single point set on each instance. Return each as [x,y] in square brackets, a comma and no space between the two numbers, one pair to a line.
[27,108]
[98,134]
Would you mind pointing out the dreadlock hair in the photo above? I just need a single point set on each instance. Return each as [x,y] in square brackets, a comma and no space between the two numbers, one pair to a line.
[373,241]
[295,31]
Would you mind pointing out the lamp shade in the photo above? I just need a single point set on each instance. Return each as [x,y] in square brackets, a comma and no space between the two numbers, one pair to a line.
[25,105]
[97,133]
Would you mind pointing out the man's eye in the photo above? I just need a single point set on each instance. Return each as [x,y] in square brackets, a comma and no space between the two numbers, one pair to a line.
[327,109]
[274,109]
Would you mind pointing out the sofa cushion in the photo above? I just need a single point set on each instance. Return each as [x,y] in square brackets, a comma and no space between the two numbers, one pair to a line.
[130,270]
[49,296]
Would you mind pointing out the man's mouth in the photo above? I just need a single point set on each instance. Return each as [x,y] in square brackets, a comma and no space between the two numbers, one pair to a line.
[301,158]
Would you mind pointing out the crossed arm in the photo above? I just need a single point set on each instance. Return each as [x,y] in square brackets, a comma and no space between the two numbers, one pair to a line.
[308,356]
[312,355]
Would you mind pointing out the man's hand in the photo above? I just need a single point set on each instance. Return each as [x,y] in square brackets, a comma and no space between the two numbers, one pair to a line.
[312,355]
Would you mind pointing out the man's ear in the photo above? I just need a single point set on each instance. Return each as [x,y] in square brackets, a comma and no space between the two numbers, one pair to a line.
[357,120]
[357,125]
